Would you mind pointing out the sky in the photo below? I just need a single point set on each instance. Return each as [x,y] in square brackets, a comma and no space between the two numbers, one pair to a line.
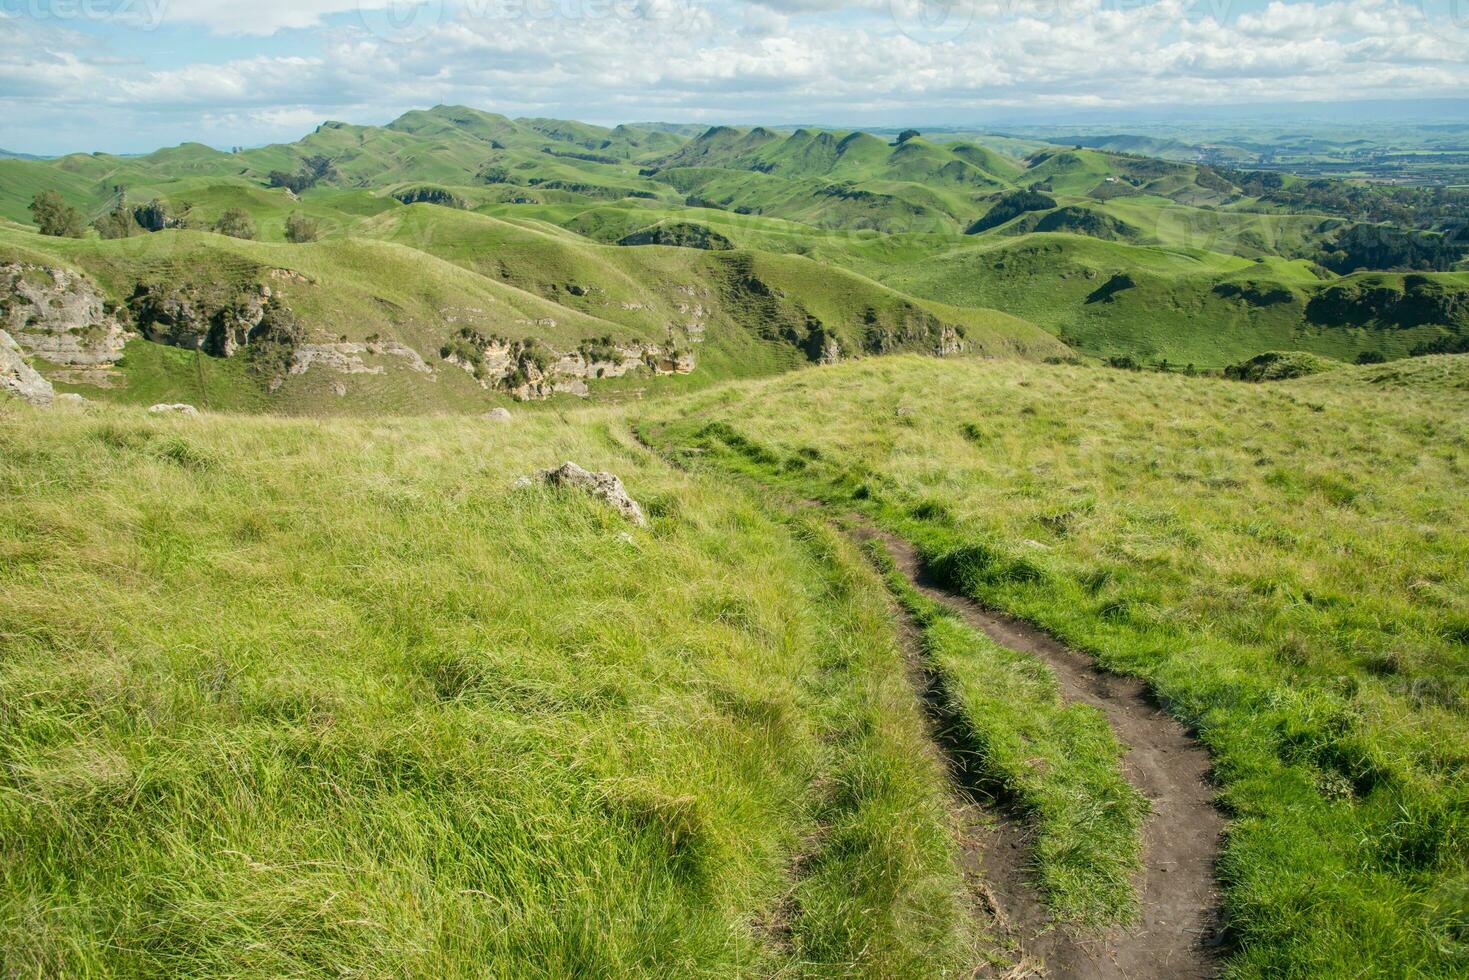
[133,75]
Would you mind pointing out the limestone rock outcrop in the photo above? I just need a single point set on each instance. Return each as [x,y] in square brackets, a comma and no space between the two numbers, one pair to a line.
[218,318]
[174,408]
[346,357]
[60,316]
[18,378]
[531,369]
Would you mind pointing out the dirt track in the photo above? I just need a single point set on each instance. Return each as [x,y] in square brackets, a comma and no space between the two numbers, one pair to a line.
[1178,925]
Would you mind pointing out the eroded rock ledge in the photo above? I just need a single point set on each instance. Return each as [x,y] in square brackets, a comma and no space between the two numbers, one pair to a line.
[532,369]
[18,378]
[217,318]
[346,357]
[60,316]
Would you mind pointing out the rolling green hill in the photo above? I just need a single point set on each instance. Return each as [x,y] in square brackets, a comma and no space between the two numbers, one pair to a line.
[431,278]
[748,250]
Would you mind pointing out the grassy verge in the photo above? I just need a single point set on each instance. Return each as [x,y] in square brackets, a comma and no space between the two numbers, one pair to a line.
[322,697]
[1058,763]
[1284,565]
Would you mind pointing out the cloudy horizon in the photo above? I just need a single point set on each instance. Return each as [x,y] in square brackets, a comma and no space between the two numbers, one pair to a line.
[133,75]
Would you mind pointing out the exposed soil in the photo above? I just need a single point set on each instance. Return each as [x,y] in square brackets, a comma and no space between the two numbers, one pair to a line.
[1178,927]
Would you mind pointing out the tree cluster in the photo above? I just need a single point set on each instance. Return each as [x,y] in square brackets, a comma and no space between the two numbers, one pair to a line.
[55,217]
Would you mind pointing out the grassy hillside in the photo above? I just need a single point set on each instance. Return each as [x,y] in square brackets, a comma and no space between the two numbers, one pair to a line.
[1445,373]
[348,289]
[1185,305]
[419,275]
[291,697]
[1113,254]
[1215,538]
[450,145]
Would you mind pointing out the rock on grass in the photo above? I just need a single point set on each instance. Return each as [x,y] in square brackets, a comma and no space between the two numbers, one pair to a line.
[178,408]
[604,486]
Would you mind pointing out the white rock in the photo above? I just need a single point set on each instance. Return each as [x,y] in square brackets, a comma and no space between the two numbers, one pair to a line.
[603,486]
[498,415]
[59,315]
[175,408]
[19,378]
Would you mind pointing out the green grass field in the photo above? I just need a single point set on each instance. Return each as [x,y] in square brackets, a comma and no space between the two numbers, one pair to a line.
[306,686]
[300,697]
[1284,563]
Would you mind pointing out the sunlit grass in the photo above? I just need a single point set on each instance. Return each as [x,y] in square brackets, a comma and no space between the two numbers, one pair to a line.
[1285,564]
[298,698]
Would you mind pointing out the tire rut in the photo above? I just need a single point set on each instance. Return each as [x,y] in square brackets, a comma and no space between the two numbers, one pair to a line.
[1178,930]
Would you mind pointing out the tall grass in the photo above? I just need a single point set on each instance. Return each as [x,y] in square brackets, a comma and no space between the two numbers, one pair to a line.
[283,697]
[1284,564]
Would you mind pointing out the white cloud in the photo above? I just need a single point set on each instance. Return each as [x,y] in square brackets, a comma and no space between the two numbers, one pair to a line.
[618,59]
[264,17]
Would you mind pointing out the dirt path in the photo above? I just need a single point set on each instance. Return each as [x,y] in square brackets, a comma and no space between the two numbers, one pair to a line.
[1178,926]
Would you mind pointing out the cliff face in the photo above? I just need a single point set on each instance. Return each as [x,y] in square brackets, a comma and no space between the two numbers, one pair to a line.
[530,369]
[216,319]
[19,379]
[61,317]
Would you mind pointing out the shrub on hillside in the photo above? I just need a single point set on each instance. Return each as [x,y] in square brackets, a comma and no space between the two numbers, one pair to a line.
[684,234]
[1084,221]
[237,223]
[1382,247]
[295,183]
[117,223]
[55,217]
[1447,344]
[301,229]
[313,170]
[431,195]
[1278,365]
